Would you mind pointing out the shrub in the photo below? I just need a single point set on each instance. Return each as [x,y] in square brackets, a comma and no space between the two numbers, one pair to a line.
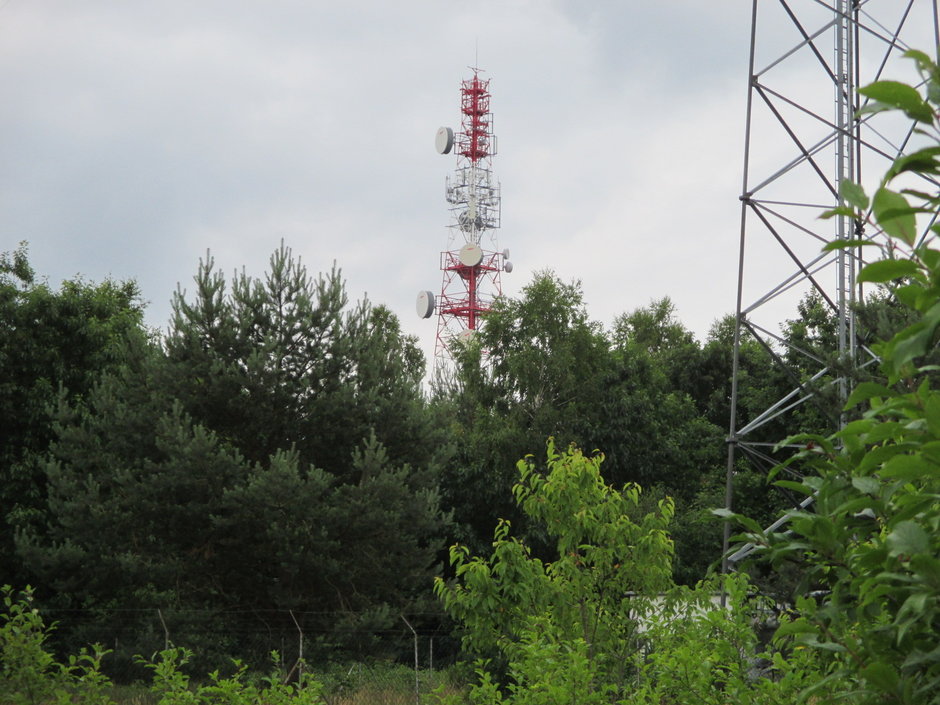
[30,674]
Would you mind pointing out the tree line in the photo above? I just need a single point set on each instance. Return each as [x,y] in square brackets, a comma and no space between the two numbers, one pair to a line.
[275,449]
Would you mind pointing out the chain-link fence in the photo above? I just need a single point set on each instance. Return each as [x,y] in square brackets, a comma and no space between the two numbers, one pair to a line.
[358,658]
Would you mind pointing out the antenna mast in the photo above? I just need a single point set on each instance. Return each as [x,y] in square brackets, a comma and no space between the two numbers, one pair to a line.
[803,137]
[472,264]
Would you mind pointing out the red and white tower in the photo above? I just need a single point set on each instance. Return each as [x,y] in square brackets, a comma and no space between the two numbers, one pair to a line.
[472,263]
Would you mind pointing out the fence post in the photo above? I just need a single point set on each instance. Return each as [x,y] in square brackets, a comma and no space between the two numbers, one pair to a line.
[300,652]
[417,685]
[166,632]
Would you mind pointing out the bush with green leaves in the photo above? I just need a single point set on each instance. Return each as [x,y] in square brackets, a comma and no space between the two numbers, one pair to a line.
[869,547]
[172,686]
[578,611]
[30,674]
[600,621]
[705,645]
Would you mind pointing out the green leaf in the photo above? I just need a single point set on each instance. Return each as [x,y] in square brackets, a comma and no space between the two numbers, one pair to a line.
[879,456]
[847,244]
[924,62]
[748,523]
[908,539]
[867,485]
[824,645]
[923,195]
[923,161]
[800,487]
[883,431]
[927,568]
[930,258]
[841,210]
[914,605]
[853,194]
[902,96]
[909,294]
[895,215]
[886,270]
[858,506]
[919,657]
[914,340]
[797,626]
[882,676]
[866,390]
[932,414]
[856,428]
[905,467]
[913,343]
[933,92]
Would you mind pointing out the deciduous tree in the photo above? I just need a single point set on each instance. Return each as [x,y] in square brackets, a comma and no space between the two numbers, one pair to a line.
[53,343]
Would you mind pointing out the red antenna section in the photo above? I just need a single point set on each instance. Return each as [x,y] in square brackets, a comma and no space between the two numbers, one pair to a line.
[472,264]
[474,143]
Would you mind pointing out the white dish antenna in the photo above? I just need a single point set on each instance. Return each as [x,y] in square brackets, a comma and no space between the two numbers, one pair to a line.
[507,267]
[470,255]
[444,140]
[425,304]
[506,253]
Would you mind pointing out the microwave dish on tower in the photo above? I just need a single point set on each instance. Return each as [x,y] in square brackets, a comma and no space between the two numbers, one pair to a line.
[472,264]
[444,140]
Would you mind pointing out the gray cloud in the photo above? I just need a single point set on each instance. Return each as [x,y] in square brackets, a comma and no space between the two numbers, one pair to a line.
[136,136]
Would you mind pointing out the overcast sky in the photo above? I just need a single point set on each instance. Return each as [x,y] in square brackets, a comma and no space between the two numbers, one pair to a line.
[136,136]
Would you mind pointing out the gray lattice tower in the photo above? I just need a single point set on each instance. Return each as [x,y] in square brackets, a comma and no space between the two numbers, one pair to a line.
[802,138]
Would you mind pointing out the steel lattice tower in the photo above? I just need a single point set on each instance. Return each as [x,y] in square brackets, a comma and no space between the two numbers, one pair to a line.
[471,266]
[803,137]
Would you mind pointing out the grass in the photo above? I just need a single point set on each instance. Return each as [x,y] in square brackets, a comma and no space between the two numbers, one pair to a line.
[359,684]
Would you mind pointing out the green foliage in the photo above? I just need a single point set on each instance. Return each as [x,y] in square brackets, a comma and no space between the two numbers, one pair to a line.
[601,622]
[700,651]
[29,673]
[173,687]
[275,454]
[53,343]
[544,356]
[869,604]
[647,392]
[286,362]
[577,612]
[551,371]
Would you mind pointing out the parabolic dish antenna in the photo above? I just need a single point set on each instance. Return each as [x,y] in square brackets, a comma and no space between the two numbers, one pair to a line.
[444,140]
[470,255]
[425,304]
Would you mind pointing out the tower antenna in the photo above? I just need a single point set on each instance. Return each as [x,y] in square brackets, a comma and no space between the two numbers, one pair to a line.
[472,264]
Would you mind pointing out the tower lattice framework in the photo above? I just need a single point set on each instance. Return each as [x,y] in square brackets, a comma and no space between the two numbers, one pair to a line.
[803,137]
[471,266]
